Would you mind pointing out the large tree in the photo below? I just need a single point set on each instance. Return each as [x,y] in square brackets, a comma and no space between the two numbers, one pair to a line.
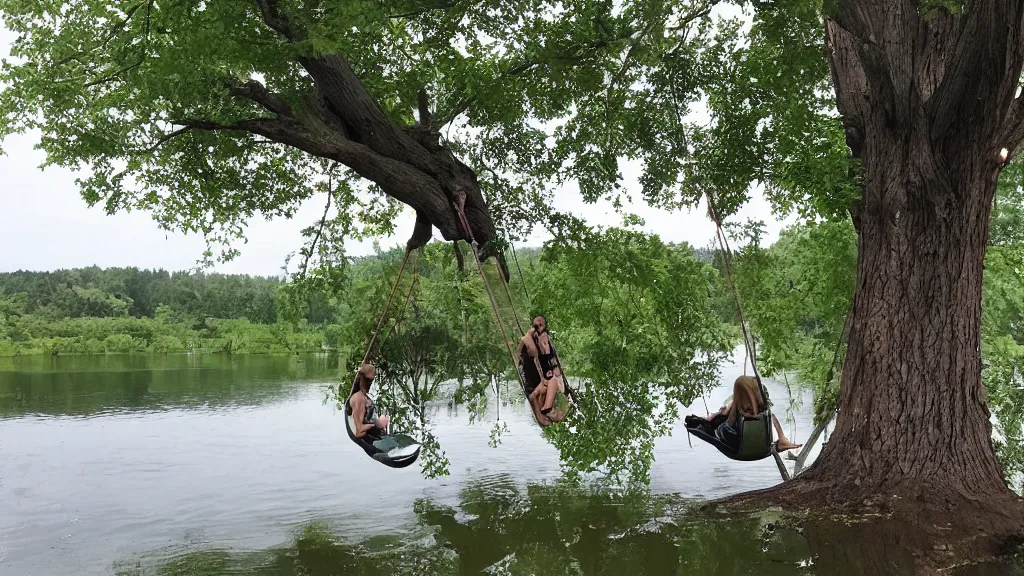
[926,96]
[929,109]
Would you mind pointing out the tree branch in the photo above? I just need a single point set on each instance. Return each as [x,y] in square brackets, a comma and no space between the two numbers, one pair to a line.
[422,11]
[163,139]
[323,221]
[986,59]
[1013,132]
[278,21]
[850,82]
[115,75]
[424,106]
[852,17]
[255,91]
[111,33]
[348,100]
[421,232]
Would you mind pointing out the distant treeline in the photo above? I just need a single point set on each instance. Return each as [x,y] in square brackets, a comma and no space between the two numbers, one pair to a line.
[130,292]
[130,310]
[120,310]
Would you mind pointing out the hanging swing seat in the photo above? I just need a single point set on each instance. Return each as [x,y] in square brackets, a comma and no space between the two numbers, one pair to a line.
[755,436]
[393,450]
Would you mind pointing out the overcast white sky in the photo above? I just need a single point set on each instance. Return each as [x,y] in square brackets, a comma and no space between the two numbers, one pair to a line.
[46,225]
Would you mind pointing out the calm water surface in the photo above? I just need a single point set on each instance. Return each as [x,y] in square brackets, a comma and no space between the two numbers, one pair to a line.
[220,465]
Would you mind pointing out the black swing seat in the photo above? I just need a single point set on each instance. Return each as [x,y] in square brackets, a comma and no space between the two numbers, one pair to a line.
[755,436]
[393,450]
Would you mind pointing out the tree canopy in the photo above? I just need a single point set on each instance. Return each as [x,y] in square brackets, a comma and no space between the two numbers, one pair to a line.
[205,112]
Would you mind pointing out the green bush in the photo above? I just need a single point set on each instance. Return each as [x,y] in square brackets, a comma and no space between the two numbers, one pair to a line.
[9,348]
[166,344]
[93,346]
[119,344]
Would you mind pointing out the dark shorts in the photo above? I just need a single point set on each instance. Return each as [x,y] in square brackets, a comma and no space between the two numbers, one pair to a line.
[530,375]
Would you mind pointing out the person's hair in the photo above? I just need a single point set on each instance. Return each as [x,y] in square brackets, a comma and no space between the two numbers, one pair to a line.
[361,377]
[746,399]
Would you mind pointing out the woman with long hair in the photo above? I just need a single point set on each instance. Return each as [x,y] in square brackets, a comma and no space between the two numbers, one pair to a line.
[360,405]
[747,402]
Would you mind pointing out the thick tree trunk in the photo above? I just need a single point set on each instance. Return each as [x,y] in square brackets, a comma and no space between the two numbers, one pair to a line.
[912,417]
[927,105]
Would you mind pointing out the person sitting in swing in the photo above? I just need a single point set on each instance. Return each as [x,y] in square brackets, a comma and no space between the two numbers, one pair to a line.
[746,402]
[367,423]
[551,384]
[540,372]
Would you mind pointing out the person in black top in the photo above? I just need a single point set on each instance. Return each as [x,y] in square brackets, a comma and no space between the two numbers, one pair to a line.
[528,361]
[363,412]
[551,374]
[535,364]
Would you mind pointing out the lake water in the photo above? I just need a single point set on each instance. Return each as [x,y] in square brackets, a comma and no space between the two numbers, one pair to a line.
[205,465]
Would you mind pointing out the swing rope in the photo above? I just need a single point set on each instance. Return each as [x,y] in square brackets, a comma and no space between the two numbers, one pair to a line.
[487,286]
[405,306]
[387,307]
[511,302]
[383,316]
[748,339]
[522,280]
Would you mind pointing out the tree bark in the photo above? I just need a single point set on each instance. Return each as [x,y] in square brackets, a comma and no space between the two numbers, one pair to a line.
[927,105]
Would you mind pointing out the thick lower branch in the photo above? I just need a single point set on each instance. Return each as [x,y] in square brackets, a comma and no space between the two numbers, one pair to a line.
[366,122]
[397,179]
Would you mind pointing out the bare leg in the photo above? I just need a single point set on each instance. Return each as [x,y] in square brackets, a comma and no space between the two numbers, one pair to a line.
[535,399]
[551,394]
[538,394]
[543,420]
[784,443]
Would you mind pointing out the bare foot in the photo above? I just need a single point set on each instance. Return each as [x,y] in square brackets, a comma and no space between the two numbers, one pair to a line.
[784,445]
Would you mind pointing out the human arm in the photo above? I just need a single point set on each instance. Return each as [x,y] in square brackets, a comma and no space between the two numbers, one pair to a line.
[358,412]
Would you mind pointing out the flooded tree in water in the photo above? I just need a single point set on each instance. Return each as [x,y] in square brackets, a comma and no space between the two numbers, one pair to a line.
[931,124]
[898,116]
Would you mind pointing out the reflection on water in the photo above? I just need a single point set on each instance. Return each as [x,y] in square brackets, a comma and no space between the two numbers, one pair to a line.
[556,529]
[92,385]
[214,465]
[499,528]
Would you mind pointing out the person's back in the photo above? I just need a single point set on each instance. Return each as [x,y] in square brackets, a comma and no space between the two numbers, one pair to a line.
[747,403]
